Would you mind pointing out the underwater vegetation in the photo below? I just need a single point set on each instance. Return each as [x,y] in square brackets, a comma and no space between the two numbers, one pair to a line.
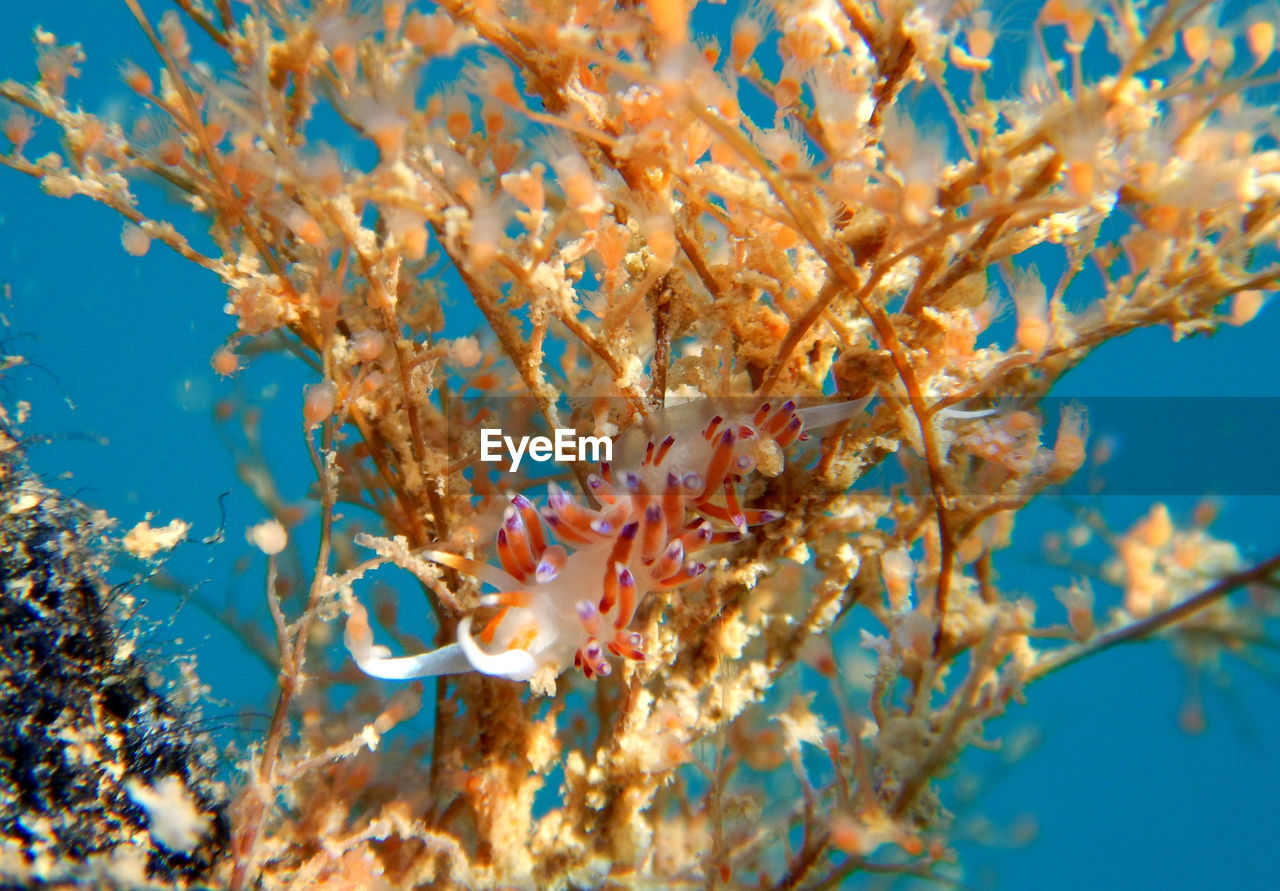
[770,318]
[94,749]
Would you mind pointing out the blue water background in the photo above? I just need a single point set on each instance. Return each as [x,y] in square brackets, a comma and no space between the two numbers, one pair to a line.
[1121,797]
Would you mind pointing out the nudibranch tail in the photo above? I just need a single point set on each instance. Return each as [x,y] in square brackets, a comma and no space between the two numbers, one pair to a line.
[572,602]
[377,661]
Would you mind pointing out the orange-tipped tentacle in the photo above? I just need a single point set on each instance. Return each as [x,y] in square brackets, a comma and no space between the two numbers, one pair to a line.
[736,516]
[696,537]
[627,645]
[690,571]
[621,553]
[718,467]
[532,524]
[653,534]
[610,595]
[508,558]
[663,448]
[626,597]
[709,433]
[599,490]
[583,525]
[751,516]
[779,419]
[590,658]
[518,541]
[550,563]
[790,433]
[673,503]
[564,531]
[670,562]
[589,616]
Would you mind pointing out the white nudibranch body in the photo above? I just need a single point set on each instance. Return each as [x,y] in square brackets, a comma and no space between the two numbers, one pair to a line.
[672,491]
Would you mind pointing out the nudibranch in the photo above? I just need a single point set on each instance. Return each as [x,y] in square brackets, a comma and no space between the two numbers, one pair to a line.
[672,490]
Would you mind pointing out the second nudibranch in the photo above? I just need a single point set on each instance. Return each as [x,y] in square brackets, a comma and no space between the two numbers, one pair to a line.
[571,602]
